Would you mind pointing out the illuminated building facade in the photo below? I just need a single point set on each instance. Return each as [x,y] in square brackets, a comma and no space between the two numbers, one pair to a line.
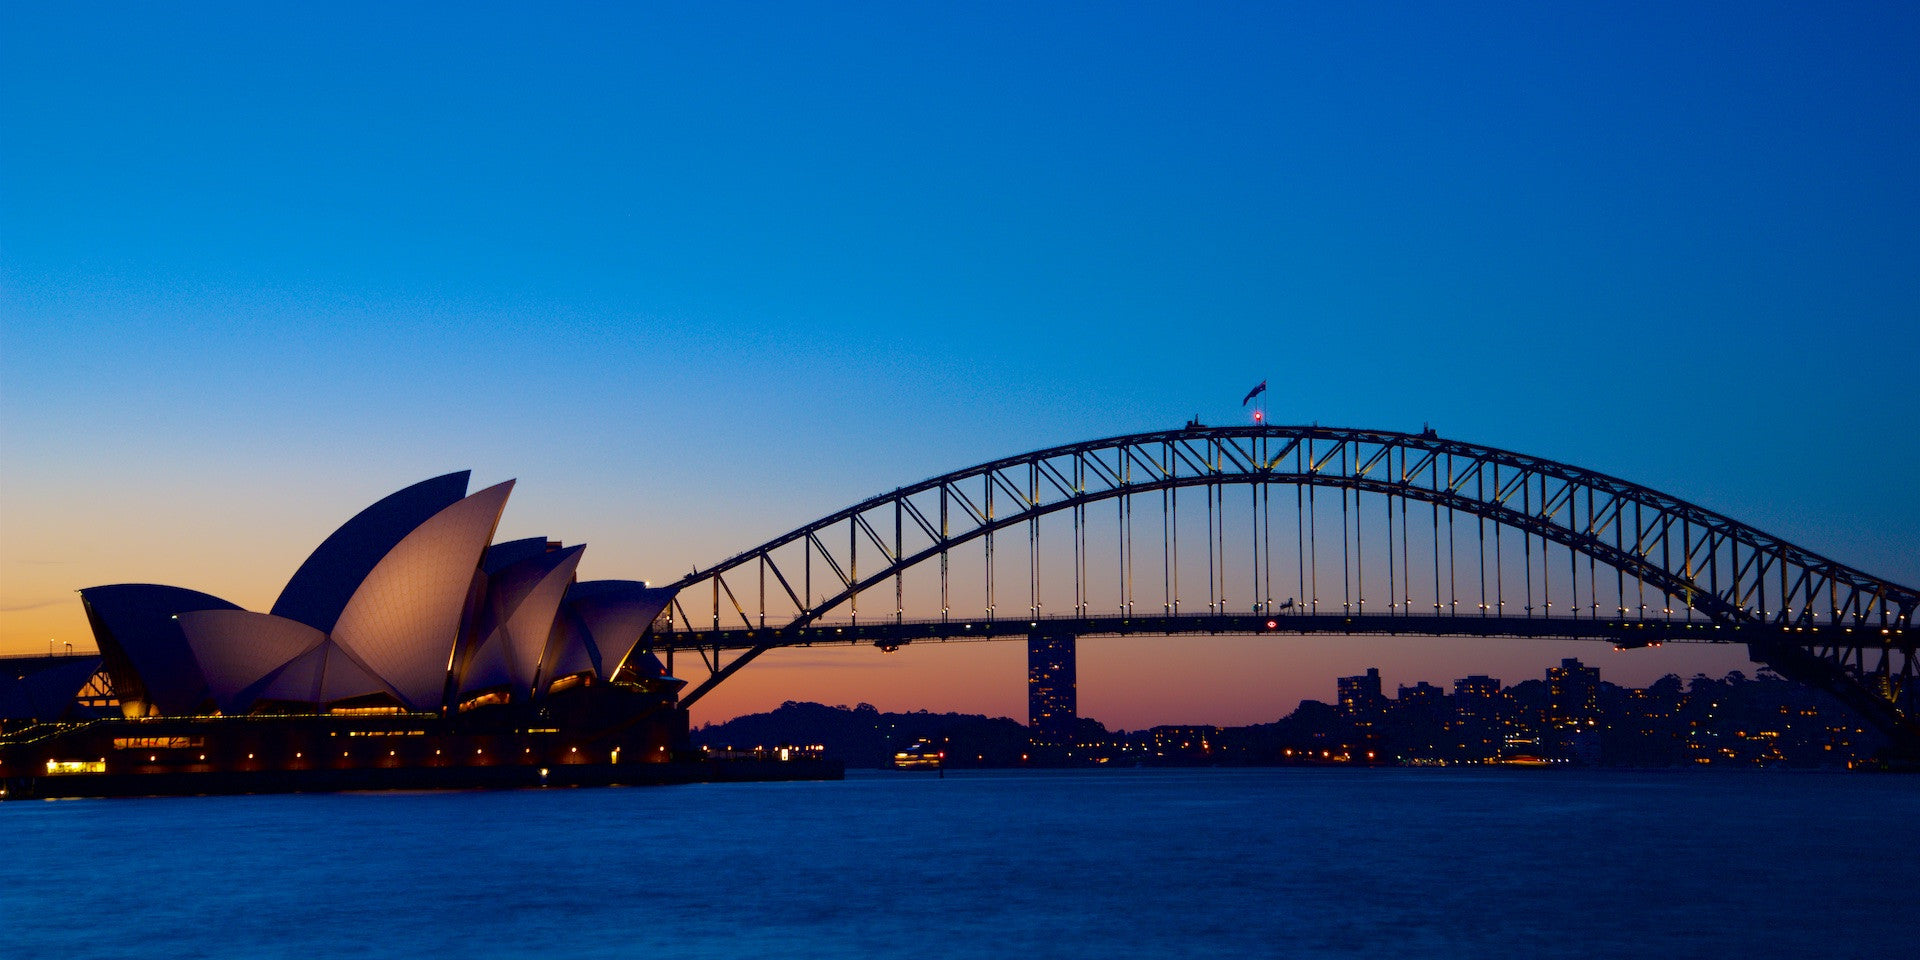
[1051,706]
[1573,693]
[1361,696]
[1423,699]
[1173,740]
[1477,717]
[407,650]
[406,608]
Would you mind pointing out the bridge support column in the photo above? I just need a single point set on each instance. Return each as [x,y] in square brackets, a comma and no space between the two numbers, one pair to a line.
[1052,706]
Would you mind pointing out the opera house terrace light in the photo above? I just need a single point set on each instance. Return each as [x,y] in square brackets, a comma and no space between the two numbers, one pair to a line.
[475,664]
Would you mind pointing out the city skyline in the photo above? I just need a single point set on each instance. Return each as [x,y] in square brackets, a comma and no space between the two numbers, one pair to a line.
[701,276]
[1565,694]
[1243,667]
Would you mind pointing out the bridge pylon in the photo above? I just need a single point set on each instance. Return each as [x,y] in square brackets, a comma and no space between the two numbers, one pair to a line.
[1052,705]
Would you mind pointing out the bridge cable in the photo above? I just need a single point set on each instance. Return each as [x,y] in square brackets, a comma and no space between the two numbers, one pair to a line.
[1435,505]
[1479,493]
[1346,578]
[1313,542]
[946,597]
[1406,536]
[1453,595]
[988,499]
[1526,539]
[1300,544]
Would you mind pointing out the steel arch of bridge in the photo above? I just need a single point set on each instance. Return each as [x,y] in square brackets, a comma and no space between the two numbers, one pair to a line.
[1812,618]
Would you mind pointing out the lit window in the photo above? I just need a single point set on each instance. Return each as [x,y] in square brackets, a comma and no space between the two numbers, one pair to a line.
[56,767]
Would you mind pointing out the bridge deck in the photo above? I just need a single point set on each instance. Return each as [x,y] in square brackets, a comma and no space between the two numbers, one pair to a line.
[1622,633]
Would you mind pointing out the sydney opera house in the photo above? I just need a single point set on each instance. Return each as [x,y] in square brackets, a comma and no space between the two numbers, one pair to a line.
[408,650]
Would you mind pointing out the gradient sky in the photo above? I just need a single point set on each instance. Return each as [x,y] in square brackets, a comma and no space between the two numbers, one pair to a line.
[697,274]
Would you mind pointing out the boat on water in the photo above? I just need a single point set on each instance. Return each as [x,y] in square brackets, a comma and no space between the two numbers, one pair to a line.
[922,754]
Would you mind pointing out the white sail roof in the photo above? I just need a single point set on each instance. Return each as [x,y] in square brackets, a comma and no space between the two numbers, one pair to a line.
[614,615]
[571,650]
[522,600]
[152,667]
[403,620]
[318,592]
[405,600]
[249,657]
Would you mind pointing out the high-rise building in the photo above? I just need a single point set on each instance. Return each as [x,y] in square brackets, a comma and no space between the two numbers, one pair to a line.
[1476,710]
[1573,693]
[1422,699]
[1360,696]
[1051,705]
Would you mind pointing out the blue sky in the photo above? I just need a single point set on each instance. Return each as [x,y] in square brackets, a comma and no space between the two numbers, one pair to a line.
[699,273]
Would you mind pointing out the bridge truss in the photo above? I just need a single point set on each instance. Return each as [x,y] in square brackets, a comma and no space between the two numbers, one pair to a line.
[1189,531]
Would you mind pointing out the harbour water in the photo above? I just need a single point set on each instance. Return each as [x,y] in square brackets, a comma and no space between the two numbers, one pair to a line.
[1135,863]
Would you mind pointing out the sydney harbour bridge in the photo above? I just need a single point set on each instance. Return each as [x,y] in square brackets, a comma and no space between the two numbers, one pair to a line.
[1247,530]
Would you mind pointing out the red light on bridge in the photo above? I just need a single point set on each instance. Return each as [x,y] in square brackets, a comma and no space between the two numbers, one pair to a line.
[1272,624]
[1259,415]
